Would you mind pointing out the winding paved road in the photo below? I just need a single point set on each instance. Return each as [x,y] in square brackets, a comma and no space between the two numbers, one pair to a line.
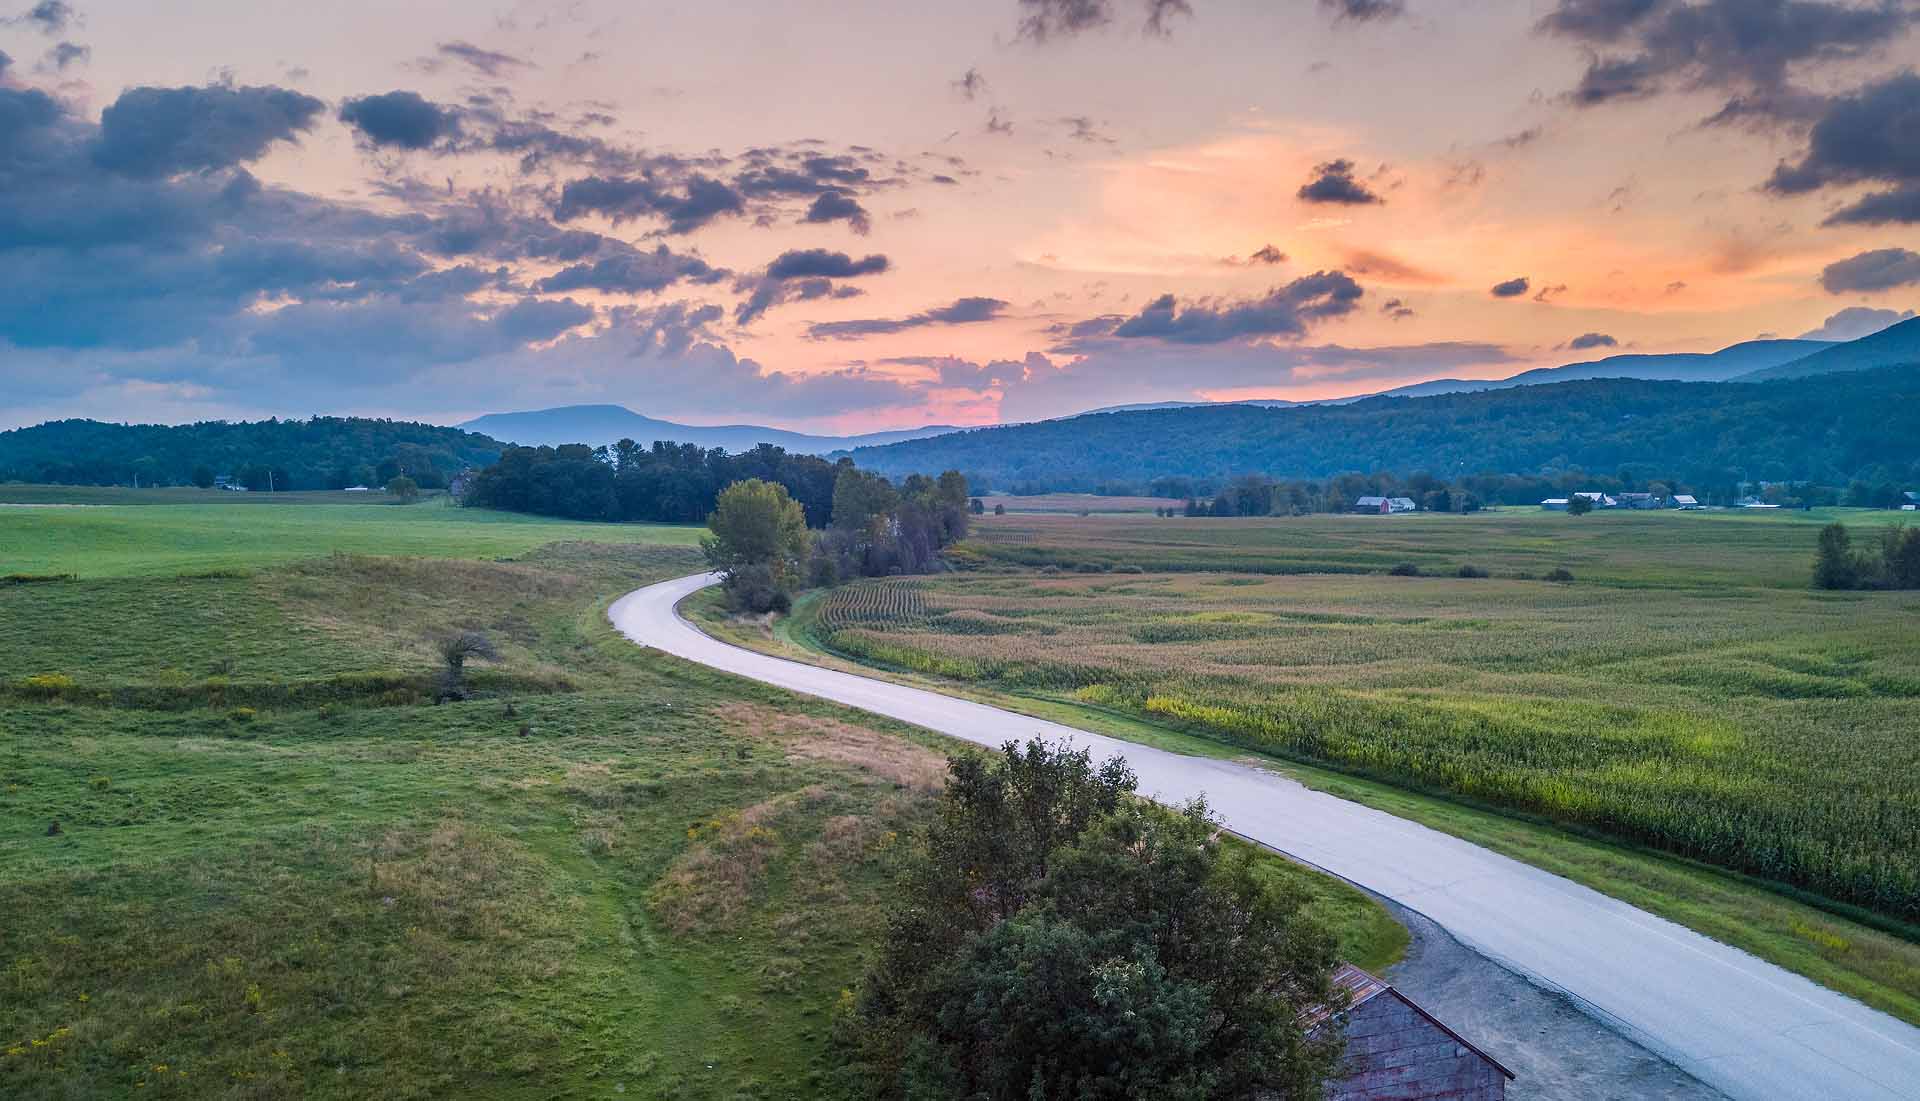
[1736,1022]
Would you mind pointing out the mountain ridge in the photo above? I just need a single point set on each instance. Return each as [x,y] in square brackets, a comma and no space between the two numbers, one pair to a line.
[607,423]
[1897,345]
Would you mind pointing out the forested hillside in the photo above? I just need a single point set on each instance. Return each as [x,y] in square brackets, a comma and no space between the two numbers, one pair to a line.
[321,453]
[1833,429]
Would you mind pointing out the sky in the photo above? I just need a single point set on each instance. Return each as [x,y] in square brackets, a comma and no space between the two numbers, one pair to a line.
[851,216]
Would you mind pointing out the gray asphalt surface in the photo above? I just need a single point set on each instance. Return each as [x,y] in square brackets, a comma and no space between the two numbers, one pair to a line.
[1737,1023]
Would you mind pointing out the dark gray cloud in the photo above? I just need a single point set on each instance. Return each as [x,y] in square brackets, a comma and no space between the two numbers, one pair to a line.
[1395,309]
[622,199]
[64,55]
[999,124]
[1876,270]
[1873,136]
[1511,288]
[839,206]
[164,131]
[1043,21]
[5,61]
[1161,14]
[1365,11]
[401,119]
[485,62]
[1743,48]
[1082,128]
[49,17]
[1284,311]
[1855,322]
[971,85]
[634,272]
[963,311]
[1592,340]
[822,263]
[1047,19]
[536,320]
[1267,254]
[1333,182]
[801,275]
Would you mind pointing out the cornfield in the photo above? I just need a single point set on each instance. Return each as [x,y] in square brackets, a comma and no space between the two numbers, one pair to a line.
[1768,731]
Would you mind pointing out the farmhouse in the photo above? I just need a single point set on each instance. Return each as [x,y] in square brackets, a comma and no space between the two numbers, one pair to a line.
[1397,1050]
[1685,502]
[1637,500]
[1554,504]
[1384,505]
[1599,500]
[1910,501]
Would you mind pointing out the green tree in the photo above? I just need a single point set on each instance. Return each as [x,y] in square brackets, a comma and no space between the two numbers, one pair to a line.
[1059,938]
[1578,505]
[758,536]
[203,476]
[1834,566]
[404,488]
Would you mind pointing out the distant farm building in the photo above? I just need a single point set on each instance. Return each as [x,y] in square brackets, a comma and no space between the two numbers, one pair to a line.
[1637,500]
[1397,1050]
[1599,500]
[1685,502]
[1910,501]
[1384,505]
[1554,504]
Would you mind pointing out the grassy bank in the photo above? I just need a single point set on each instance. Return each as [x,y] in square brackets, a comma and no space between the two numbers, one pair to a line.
[610,873]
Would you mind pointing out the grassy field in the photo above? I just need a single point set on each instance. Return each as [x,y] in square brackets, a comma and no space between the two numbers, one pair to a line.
[242,856]
[1730,716]
[1620,549]
[225,535]
[1073,504]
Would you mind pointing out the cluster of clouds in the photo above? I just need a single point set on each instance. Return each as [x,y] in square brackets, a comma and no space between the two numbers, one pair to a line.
[144,240]
[141,251]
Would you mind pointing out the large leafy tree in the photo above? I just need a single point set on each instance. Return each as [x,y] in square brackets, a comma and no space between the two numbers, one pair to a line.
[1059,938]
[758,535]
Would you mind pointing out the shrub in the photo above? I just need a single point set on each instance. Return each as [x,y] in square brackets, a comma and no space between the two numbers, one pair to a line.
[34,578]
[47,686]
[1405,569]
[1470,570]
[1834,566]
[755,589]
[243,715]
[1560,574]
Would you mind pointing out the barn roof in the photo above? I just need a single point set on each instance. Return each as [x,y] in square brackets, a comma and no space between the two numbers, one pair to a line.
[1362,988]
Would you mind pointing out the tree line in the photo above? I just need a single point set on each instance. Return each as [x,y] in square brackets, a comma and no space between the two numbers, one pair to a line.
[1259,495]
[672,483]
[320,453]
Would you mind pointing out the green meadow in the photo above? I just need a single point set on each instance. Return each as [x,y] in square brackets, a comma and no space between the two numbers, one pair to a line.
[244,855]
[211,531]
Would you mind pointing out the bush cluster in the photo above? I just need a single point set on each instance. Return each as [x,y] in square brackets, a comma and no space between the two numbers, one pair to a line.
[1890,561]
